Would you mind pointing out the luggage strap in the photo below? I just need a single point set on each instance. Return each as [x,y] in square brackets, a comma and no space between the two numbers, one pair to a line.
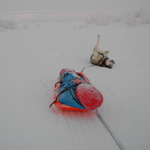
[61,92]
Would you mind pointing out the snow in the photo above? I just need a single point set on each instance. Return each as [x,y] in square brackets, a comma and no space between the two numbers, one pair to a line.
[39,38]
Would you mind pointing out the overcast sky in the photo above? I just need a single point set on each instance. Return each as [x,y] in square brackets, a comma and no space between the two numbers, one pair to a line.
[83,5]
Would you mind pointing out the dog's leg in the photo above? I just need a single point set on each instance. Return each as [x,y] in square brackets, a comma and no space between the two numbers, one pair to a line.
[106,53]
[98,39]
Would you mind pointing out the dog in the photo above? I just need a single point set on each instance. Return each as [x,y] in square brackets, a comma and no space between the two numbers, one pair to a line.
[100,57]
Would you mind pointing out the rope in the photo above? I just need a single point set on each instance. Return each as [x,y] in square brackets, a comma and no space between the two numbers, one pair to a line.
[110,131]
[86,67]
[61,92]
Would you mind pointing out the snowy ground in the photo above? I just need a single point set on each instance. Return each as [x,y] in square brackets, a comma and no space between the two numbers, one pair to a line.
[35,45]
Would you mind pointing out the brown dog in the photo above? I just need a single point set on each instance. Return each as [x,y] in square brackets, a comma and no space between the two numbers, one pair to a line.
[100,57]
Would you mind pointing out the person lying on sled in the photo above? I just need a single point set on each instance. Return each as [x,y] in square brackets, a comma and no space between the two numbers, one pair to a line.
[76,91]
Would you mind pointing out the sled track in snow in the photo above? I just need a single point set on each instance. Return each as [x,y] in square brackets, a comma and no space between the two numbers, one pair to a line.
[87,128]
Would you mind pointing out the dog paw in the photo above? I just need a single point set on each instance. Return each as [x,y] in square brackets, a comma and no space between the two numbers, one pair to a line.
[106,52]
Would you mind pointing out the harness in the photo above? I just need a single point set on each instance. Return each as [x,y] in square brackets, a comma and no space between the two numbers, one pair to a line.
[102,61]
[61,92]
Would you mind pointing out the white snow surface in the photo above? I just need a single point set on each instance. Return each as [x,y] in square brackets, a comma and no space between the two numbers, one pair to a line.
[39,38]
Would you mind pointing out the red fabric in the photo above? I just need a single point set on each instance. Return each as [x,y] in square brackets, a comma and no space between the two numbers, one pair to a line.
[66,70]
[89,96]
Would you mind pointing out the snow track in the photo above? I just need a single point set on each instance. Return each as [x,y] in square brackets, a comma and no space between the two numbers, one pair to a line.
[86,131]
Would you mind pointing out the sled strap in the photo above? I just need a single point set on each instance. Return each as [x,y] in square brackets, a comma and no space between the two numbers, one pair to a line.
[58,82]
[61,92]
[61,80]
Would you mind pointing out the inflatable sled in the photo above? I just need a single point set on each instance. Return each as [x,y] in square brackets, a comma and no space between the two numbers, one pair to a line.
[74,92]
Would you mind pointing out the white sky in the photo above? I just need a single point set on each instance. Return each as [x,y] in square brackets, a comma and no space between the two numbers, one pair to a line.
[82,5]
